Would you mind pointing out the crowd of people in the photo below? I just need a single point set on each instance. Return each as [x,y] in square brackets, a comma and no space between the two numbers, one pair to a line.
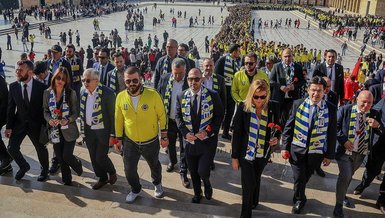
[278,104]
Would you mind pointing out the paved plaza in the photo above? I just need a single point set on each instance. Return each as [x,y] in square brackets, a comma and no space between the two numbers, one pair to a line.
[29,198]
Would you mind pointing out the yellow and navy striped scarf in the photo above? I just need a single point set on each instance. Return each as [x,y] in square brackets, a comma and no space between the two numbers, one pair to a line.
[215,83]
[51,66]
[352,126]
[97,115]
[167,95]
[254,148]
[114,79]
[318,138]
[206,109]
[229,71]
[165,65]
[55,137]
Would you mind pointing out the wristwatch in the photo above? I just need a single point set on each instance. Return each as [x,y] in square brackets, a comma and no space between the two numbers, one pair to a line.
[164,138]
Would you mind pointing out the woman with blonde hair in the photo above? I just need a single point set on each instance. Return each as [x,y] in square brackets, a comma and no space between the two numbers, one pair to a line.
[255,132]
[60,112]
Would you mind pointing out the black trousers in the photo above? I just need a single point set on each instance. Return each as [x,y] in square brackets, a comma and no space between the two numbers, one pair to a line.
[285,109]
[4,155]
[97,144]
[373,167]
[251,172]
[173,135]
[229,112]
[131,156]
[17,137]
[64,152]
[199,159]
[302,171]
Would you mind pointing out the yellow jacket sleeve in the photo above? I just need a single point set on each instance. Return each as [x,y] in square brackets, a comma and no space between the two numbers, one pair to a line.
[119,120]
[161,113]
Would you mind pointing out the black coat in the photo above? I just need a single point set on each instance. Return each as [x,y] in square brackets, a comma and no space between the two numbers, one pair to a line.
[379,135]
[377,91]
[298,153]
[277,79]
[159,68]
[241,129]
[343,127]
[162,85]
[220,66]
[103,75]
[3,101]
[18,116]
[339,78]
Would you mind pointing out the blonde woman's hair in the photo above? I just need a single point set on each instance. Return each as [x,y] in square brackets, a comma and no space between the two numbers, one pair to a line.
[259,86]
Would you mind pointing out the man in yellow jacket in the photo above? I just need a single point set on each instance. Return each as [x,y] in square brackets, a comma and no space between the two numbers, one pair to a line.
[244,77]
[139,114]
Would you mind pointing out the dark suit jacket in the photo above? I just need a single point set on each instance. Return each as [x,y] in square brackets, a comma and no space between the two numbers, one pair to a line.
[102,77]
[242,125]
[108,111]
[3,101]
[377,91]
[380,75]
[215,121]
[339,78]
[298,153]
[18,115]
[277,79]
[379,135]
[332,98]
[343,127]
[162,85]
[222,90]
[220,66]
[159,68]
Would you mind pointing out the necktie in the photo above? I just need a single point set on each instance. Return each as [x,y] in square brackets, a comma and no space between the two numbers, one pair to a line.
[361,137]
[313,119]
[25,95]
[195,104]
[103,75]
[330,69]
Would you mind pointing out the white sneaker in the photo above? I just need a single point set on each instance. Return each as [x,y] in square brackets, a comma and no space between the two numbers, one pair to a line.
[131,197]
[158,192]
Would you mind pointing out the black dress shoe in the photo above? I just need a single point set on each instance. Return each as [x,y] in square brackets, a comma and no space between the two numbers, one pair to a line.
[381,206]
[20,174]
[6,170]
[320,172]
[196,199]
[54,169]
[226,136]
[68,183]
[99,184]
[347,203]
[297,208]
[338,211]
[43,176]
[185,180]
[170,167]
[358,190]
[208,192]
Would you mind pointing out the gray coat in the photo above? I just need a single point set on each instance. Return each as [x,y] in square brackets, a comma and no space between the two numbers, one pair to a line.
[72,133]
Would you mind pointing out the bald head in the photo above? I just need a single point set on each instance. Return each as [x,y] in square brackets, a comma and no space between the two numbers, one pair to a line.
[287,56]
[364,101]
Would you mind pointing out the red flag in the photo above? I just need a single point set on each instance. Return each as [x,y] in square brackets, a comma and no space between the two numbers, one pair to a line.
[356,68]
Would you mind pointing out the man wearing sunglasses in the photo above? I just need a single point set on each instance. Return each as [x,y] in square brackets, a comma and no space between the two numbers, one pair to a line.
[199,116]
[309,138]
[139,117]
[243,78]
[25,117]
[103,66]
[170,86]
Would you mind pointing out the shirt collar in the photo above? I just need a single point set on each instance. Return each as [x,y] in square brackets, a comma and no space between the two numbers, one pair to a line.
[329,66]
[318,104]
[29,84]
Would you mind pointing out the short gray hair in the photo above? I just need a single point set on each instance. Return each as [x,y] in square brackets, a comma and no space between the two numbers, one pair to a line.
[179,62]
[92,72]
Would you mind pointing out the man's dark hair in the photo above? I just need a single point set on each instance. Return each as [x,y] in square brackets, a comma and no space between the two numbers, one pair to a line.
[184,46]
[71,46]
[26,62]
[252,55]
[117,54]
[331,51]
[132,70]
[106,50]
[39,67]
[317,80]
[234,47]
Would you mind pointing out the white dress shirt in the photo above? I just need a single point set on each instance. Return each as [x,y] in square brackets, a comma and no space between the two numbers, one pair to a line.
[91,100]
[208,82]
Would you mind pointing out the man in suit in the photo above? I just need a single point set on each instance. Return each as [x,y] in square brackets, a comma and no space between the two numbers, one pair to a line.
[378,91]
[76,67]
[199,116]
[103,66]
[41,74]
[353,135]
[163,65]
[334,71]
[25,117]
[286,78]
[5,158]
[97,111]
[309,138]
[216,83]
[170,86]
[227,66]
[115,79]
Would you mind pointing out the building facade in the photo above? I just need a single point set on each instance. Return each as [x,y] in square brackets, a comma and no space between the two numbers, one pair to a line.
[362,7]
[31,3]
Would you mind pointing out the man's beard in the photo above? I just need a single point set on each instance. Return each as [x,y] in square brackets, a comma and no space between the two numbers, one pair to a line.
[22,78]
[133,89]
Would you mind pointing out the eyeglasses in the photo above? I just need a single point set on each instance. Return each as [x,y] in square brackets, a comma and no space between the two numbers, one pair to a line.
[262,97]
[268,63]
[134,81]
[249,63]
[60,78]
[101,57]
[87,80]
[195,79]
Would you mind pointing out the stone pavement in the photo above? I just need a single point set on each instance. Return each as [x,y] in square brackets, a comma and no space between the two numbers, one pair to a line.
[29,198]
